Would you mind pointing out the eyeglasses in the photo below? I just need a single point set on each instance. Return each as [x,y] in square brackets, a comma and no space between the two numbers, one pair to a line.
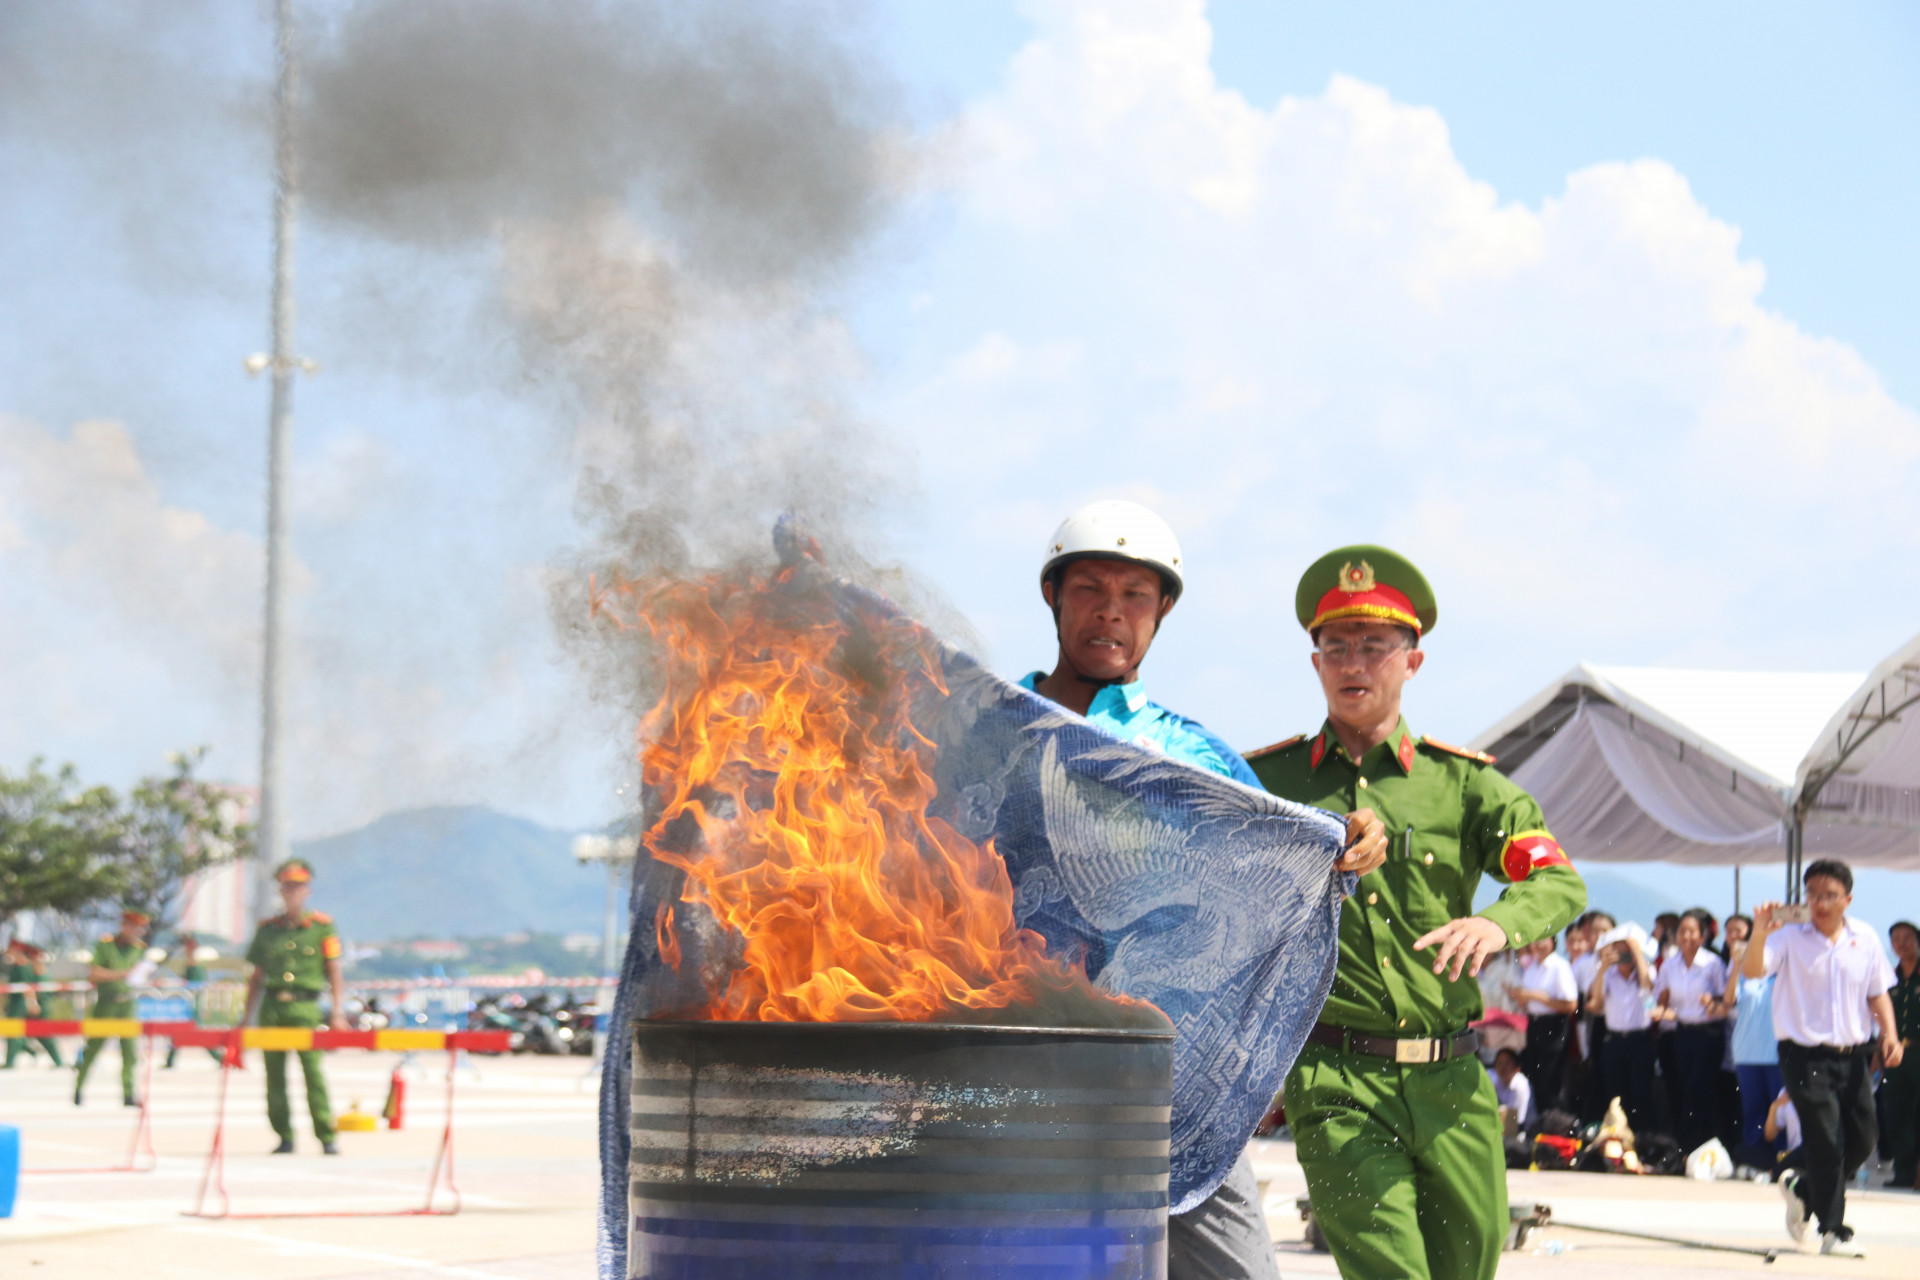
[1369,652]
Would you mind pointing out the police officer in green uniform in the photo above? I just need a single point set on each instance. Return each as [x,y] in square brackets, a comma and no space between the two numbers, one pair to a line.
[114,957]
[27,963]
[1394,1119]
[295,955]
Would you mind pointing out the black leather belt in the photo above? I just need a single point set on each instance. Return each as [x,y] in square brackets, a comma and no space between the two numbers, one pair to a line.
[1403,1051]
[287,995]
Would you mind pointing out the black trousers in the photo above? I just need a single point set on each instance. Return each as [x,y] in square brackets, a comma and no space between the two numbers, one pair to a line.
[1544,1059]
[1626,1073]
[1832,1089]
[1593,1093]
[1697,1050]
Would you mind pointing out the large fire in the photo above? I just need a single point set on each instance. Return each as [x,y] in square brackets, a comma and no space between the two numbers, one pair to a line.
[783,732]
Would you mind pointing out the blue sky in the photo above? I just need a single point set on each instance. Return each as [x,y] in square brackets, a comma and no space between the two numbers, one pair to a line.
[1604,320]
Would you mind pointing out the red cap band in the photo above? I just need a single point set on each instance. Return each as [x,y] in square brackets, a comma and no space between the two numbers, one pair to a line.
[1381,602]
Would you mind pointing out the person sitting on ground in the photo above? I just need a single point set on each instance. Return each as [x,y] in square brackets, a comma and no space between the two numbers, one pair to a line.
[1513,1090]
[1782,1129]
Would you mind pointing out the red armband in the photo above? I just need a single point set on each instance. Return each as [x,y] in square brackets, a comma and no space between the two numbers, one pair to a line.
[1529,851]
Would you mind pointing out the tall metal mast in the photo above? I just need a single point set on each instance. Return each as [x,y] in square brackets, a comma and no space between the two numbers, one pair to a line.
[273,842]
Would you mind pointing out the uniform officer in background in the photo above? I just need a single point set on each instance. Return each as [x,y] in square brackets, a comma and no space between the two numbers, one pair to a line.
[194,974]
[26,964]
[1395,1121]
[295,955]
[1111,574]
[114,958]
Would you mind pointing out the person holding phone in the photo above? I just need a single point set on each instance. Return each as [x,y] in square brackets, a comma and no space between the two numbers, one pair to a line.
[1832,980]
[1619,991]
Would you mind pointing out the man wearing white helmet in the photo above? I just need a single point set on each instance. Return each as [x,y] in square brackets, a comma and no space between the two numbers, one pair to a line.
[1111,574]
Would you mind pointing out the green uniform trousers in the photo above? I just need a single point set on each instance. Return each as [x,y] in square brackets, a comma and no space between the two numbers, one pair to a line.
[1404,1164]
[1900,1090]
[129,1049]
[17,1045]
[295,1013]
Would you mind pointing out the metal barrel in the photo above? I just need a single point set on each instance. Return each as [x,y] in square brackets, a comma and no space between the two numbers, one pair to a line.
[778,1149]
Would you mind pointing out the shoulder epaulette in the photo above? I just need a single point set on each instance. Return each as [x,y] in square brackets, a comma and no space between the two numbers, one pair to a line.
[269,920]
[1478,756]
[319,917]
[1277,746]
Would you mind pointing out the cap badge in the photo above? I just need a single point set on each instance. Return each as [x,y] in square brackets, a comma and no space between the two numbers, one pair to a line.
[1355,579]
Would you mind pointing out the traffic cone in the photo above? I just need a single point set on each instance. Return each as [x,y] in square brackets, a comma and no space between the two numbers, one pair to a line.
[395,1109]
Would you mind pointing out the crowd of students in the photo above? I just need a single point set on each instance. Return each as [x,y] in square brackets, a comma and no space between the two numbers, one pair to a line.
[1666,1022]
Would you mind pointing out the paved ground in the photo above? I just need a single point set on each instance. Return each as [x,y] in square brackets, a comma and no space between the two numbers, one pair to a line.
[525,1159]
[526,1165]
[1744,1214]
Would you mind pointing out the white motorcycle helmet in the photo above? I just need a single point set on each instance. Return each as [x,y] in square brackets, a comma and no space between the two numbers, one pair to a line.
[1117,530]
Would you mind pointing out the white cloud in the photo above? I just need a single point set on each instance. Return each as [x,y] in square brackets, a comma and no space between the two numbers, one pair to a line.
[133,628]
[350,472]
[88,518]
[1310,324]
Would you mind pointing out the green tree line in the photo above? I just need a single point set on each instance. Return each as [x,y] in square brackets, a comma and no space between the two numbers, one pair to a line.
[81,850]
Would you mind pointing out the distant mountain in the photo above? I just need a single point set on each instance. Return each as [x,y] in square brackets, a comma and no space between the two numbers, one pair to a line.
[1619,896]
[466,871]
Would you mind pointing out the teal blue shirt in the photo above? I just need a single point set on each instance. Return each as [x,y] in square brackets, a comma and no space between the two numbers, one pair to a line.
[1124,711]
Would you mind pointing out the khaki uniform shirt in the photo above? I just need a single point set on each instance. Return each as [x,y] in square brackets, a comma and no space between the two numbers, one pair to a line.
[1451,818]
[114,999]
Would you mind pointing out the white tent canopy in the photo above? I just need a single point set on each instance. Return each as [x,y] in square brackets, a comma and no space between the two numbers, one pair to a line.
[1723,767]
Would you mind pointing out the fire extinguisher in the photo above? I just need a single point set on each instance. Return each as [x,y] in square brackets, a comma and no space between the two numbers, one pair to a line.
[395,1110]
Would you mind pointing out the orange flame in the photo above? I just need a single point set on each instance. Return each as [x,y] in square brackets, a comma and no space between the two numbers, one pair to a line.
[784,734]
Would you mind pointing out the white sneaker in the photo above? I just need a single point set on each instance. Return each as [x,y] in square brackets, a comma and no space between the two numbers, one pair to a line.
[1834,1247]
[1796,1207]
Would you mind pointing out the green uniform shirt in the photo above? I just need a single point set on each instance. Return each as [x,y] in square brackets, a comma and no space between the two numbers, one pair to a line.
[1905,994]
[112,999]
[292,953]
[1450,818]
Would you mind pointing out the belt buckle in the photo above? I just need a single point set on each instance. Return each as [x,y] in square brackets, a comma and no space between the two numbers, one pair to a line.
[1413,1052]
[283,995]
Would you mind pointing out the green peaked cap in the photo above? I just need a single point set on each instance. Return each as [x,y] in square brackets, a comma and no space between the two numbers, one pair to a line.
[1365,581]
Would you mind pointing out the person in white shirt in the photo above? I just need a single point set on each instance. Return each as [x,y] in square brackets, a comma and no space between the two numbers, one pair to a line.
[1586,963]
[1830,990]
[1692,993]
[1626,1052]
[1512,1089]
[1545,991]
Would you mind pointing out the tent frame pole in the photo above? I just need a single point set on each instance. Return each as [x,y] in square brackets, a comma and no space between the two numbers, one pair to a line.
[1796,851]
